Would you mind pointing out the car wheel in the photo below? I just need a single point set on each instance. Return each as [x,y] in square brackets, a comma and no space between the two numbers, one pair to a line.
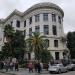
[73,69]
[50,72]
[66,70]
[59,71]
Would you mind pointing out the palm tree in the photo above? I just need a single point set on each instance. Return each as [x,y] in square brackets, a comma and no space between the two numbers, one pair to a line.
[8,34]
[36,44]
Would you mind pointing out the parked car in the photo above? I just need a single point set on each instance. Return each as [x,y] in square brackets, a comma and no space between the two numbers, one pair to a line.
[71,67]
[57,68]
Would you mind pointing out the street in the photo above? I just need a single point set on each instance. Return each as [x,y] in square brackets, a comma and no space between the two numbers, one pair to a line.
[68,73]
[4,74]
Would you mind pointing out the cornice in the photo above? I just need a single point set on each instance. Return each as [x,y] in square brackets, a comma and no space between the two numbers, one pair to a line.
[34,7]
[44,5]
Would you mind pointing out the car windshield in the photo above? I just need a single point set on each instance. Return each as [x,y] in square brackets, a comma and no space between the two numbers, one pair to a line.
[54,65]
[57,65]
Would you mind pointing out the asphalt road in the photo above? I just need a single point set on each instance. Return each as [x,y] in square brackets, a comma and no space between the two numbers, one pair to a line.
[4,74]
[68,73]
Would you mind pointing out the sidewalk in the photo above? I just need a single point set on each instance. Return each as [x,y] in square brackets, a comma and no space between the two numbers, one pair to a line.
[22,72]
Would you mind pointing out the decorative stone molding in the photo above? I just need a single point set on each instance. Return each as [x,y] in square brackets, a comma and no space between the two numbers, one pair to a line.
[34,7]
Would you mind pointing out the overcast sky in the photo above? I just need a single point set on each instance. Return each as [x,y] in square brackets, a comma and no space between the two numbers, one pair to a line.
[68,6]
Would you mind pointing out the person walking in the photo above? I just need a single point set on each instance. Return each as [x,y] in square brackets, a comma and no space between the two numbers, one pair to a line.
[30,66]
[1,64]
[49,65]
[11,66]
[16,66]
[6,66]
[39,68]
[41,65]
[36,67]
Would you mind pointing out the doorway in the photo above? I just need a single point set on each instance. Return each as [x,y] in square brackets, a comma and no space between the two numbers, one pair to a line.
[57,55]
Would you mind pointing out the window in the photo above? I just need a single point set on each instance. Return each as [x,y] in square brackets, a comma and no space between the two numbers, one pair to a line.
[55,43]
[53,17]
[59,19]
[30,31]
[57,55]
[47,43]
[18,24]
[46,29]
[45,16]
[25,23]
[30,20]
[24,32]
[37,18]
[54,30]
[37,29]
[11,23]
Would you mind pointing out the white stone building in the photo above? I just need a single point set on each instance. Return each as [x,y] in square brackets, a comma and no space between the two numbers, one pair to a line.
[46,18]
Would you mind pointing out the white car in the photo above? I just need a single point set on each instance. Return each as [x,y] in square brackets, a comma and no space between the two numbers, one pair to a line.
[57,68]
[71,67]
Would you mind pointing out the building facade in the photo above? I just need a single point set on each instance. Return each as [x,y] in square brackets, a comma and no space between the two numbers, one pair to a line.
[46,18]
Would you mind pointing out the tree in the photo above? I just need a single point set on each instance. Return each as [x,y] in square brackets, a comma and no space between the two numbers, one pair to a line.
[18,45]
[46,56]
[71,43]
[8,34]
[15,45]
[6,52]
[38,45]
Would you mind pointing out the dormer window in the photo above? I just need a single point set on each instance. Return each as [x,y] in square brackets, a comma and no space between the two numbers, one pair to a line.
[18,24]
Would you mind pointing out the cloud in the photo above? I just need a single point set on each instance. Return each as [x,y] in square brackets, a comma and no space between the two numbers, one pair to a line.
[25,4]
[6,6]
[68,6]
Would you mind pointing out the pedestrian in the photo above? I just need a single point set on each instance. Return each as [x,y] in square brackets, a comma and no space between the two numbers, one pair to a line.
[1,64]
[39,68]
[36,67]
[30,66]
[16,66]
[11,66]
[6,66]
[41,65]
[49,65]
